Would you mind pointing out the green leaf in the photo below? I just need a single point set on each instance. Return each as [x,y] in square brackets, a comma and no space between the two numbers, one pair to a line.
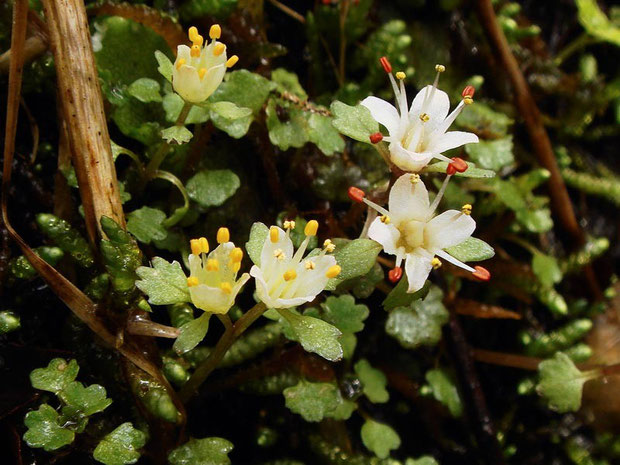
[66,238]
[324,135]
[56,376]
[165,283]
[121,255]
[374,382]
[290,130]
[424,460]
[492,154]
[399,297]
[233,120]
[245,89]
[192,333]
[344,313]
[472,171]
[176,135]
[288,82]
[561,383]
[471,250]
[82,400]
[444,390]
[546,269]
[44,430]
[355,122]
[596,22]
[146,224]
[211,188]
[146,90]
[315,335]
[356,258]
[121,446]
[165,66]
[173,104]
[9,322]
[315,401]
[379,438]
[207,451]
[255,243]
[482,119]
[420,323]
[536,221]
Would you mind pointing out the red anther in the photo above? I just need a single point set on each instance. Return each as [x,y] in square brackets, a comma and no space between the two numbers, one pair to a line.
[395,274]
[458,165]
[481,273]
[356,195]
[469,91]
[451,170]
[387,67]
[376,137]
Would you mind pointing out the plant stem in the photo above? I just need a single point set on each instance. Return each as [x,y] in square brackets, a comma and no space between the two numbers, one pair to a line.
[289,11]
[164,148]
[180,212]
[228,338]
[580,42]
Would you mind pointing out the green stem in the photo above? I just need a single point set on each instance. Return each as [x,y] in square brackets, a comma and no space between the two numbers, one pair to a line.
[180,212]
[580,42]
[164,148]
[228,338]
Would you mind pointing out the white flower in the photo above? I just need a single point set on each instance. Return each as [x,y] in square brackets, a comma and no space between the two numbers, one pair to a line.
[410,230]
[199,70]
[418,134]
[213,283]
[284,278]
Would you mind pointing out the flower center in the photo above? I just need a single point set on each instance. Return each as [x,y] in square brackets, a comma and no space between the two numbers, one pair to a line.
[411,235]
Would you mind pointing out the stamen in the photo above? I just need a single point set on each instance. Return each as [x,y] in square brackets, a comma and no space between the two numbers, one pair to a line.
[192,281]
[223,235]
[289,275]
[219,49]
[311,228]
[435,263]
[387,67]
[481,273]
[377,207]
[356,194]
[395,274]
[329,246]
[198,40]
[310,265]
[439,195]
[466,209]
[192,33]
[385,219]
[279,254]
[424,117]
[458,165]
[376,138]
[450,259]
[400,75]
[181,62]
[232,61]
[440,68]
[195,51]
[215,32]
[289,224]
[213,265]
[414,178]
[274,234]
[195,246]
[236,255]
[333,271]
[202,72]
[236,267]
[226,287]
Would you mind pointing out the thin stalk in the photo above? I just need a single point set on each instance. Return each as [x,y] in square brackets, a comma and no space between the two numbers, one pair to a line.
[289,11]
[580,42]
[164,148]
[180,212]
[226,341]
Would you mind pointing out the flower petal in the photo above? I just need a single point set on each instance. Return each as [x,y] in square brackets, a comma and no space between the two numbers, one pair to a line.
[408,201]
[383,112]
[211,299]
[187,84]
[385,234]
[270,265]
[436,107]
[408,160]
[262,289]
[310,282]
[451,140]
[450,228]
[418,267]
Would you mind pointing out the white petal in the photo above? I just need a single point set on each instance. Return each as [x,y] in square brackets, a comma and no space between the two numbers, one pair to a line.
[408,201]
[187,84]
[385,234]
[418,267]
[270,265]
[437,107]
[212,79]
[211,299]
[183,52]
[451,140]
[408,160]
[448,229]
[309,283]
[262,289]
[383,112]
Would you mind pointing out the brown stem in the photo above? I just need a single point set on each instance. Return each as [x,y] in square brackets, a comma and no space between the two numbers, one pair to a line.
[289,11]
[141,327]
[526,105]
[508,360]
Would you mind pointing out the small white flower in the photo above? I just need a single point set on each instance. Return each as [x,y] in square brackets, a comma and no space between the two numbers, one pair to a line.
[284,278]
[418,134]
[199,70]
[213,284]
[410,230]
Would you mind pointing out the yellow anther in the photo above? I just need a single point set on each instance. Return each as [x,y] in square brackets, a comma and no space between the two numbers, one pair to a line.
[436,263]
[468,100]
[223,235]
[215,32]
[232,61]
[414,178]
[289,224]
[198,40]
[333,271]
[289,275]
[192,281]
[466,209]
[194,51]
[440,68]
[279,255]
[192,33]
[311,228]
[310,265]
[385,219]
[199,246]
[236,267]
[226,287]
[400,75]
[424,117]
[329,246]
[236,255]
[213,265]
[274,234]
[219,49]
[181,62]
[202,72]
